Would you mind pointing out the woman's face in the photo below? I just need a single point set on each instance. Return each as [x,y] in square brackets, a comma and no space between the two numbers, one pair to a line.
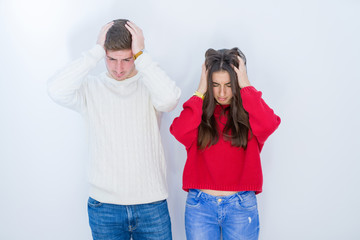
[222,87]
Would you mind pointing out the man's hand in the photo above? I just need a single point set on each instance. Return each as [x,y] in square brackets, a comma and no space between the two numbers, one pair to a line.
[203,80]
[103,32]
[137,37]
[241,73]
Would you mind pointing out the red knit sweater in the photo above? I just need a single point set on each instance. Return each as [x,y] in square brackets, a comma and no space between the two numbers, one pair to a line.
[222,166]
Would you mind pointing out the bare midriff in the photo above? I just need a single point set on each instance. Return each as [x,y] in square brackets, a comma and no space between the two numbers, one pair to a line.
[217,193]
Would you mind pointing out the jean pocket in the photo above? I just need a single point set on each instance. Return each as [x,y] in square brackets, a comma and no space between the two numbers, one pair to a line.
[93,203]
[192,200]
[247,201]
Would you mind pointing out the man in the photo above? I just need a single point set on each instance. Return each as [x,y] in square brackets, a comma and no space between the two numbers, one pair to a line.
[127,168]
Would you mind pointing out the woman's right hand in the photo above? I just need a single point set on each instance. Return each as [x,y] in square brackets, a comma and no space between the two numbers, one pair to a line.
[203,80]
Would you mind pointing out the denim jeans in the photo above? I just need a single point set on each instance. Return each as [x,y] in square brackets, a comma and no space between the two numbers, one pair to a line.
[119,222]
[209,217]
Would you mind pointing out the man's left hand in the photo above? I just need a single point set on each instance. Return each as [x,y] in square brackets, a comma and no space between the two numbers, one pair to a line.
[137,37]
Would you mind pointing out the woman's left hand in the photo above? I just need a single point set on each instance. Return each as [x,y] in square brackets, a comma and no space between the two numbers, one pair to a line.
[242,74]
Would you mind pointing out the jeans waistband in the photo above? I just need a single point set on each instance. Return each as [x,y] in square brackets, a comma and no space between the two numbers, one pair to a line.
[229,198]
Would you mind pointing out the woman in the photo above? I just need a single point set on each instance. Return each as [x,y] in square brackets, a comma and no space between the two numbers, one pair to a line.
[223,127]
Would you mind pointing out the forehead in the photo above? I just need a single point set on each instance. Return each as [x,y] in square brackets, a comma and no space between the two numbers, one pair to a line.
[119,54]
[221,77]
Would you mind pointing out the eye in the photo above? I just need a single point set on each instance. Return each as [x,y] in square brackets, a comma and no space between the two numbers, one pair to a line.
[228,85]
[215,84]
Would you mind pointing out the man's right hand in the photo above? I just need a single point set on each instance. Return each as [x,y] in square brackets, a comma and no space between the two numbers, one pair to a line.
[103,32]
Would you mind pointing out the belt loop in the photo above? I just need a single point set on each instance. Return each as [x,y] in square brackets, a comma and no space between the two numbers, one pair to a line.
[239,195]
[199,194]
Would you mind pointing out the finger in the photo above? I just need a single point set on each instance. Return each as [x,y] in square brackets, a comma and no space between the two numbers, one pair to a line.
[133,26]
[130,29]
[108,25]
[235,68]
[241,61]
[130,25]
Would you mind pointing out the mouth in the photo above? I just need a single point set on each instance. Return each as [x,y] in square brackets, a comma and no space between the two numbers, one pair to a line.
[119,75]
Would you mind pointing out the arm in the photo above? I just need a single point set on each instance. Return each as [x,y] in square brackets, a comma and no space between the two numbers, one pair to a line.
[163,91]
[65,86]
[263,120]
[185,127]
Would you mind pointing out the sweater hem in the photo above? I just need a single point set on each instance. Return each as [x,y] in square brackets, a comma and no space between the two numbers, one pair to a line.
[238,188]
[104,196]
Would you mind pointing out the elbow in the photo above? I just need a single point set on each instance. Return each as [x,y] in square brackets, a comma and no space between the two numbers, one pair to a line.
[262,133]
[166,107]
[271,126]
[169,104]
[51,91]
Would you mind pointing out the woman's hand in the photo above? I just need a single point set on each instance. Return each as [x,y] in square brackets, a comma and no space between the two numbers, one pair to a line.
[203,80]
[241,73]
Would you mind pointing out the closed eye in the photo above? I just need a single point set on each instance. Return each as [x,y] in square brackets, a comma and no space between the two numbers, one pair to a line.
[127,59]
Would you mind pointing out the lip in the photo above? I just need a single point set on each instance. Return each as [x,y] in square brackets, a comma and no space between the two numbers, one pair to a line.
[222,99]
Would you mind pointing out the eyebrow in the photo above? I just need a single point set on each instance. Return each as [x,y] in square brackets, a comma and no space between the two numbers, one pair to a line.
[219,83]
[129,58]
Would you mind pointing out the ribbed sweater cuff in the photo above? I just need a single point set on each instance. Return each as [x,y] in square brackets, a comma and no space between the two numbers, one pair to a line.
[96,53]
[248,89]
[196,100]
[143,61]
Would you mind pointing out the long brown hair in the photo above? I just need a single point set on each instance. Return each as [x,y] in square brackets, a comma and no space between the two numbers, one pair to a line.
[237,126]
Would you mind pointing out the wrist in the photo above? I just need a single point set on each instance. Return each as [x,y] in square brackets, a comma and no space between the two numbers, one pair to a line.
[138,54]
[201,90]
[199,94]
[244,81]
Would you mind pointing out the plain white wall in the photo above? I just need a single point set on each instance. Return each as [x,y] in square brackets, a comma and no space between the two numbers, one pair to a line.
[303,56]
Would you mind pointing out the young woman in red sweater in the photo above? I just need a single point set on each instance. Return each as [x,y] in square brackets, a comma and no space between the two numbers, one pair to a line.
[223,128]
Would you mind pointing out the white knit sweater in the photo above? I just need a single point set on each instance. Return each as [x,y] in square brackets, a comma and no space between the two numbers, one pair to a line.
[127,164]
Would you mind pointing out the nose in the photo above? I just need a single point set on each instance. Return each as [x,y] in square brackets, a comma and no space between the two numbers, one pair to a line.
[222,91]
[119,67]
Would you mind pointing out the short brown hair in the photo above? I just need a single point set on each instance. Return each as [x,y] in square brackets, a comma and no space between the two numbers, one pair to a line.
[118,37]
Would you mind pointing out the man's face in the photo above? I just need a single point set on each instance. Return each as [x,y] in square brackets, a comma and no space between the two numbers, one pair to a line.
[120,64]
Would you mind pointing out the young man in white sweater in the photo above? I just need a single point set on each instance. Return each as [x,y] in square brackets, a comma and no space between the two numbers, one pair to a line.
[127,169]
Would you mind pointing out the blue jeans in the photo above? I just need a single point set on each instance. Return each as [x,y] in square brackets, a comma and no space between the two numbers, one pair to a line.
[118,222]
[209,217]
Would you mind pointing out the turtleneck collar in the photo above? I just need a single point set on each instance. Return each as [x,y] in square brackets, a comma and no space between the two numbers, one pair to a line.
[220,108]
[124,83]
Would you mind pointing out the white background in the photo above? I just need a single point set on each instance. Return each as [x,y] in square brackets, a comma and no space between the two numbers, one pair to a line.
[303,56]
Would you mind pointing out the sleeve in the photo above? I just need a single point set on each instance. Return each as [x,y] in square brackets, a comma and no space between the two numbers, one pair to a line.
[185,127]
[65,87]
[164,93]
[263,120]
